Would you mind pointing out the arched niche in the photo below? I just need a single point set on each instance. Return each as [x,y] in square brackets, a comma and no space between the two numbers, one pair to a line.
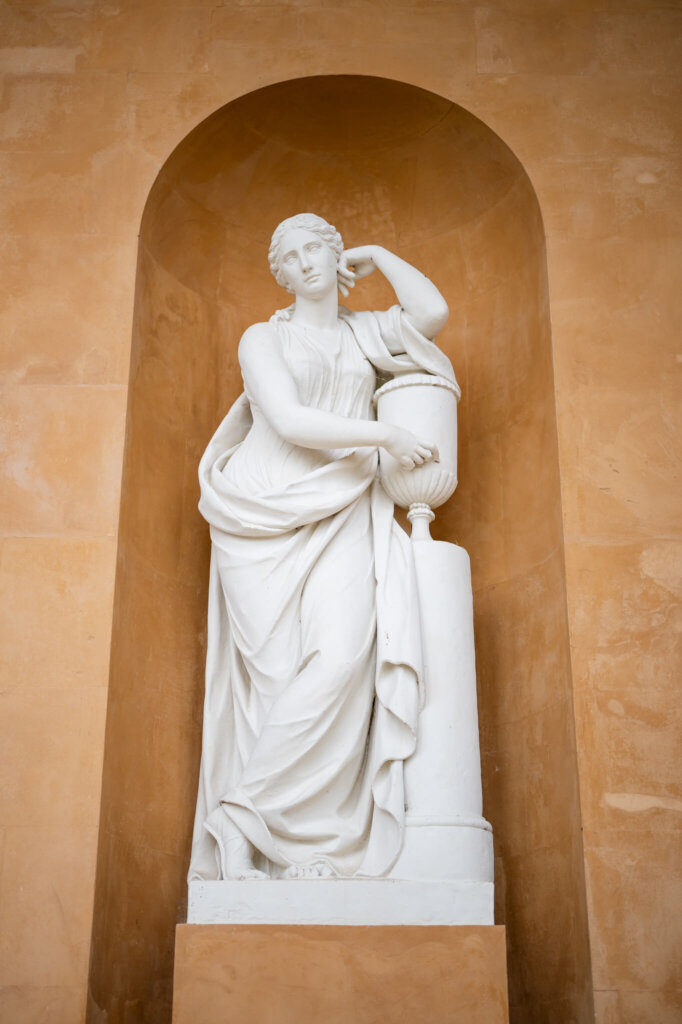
[390,163]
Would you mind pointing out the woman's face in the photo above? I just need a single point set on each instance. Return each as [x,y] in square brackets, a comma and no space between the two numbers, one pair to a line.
[307,263]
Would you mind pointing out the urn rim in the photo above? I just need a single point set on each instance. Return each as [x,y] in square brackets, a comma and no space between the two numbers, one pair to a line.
[406,380]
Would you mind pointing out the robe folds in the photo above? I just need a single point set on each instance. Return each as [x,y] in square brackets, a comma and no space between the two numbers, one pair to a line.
[314,655]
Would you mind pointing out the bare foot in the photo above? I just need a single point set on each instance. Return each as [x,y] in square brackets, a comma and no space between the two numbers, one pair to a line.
[236,852]
[314,869]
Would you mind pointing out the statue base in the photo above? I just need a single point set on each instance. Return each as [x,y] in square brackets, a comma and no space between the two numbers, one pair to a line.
[340,901]
[295,975]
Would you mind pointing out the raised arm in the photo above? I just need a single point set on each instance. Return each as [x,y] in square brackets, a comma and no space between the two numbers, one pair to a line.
[422,303]
[273,389]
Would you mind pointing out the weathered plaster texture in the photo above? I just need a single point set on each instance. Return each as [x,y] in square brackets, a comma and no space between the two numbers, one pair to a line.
[94,99]
[379,975]
[202,278]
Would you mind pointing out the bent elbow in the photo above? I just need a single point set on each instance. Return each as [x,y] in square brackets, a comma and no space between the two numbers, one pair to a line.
[431,321]
[438,317]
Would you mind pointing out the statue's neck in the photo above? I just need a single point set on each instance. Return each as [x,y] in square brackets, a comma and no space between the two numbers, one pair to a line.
[320,314]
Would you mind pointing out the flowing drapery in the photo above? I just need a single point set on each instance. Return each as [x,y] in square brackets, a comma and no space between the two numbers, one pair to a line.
[313,659]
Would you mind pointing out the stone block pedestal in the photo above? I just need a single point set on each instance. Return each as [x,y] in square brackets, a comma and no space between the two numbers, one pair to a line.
[329,974]
[357,901]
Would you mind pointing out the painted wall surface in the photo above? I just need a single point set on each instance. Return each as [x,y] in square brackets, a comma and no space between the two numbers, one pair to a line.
[94,99]
[381,158]
[365,975]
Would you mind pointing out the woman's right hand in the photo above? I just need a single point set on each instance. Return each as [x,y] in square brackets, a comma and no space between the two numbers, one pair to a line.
[409,451]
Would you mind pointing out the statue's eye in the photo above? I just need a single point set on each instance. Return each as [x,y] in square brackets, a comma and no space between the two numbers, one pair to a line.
[313,247]
[290,257]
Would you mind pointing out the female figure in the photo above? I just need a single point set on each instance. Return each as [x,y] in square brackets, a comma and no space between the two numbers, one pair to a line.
[313,660]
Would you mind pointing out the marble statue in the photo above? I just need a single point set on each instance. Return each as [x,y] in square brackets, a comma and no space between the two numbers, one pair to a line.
[317,634]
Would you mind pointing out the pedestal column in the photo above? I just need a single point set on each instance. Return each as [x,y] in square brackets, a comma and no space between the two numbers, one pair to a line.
[446,836]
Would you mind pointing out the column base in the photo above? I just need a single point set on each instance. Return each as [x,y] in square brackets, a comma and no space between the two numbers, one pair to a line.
[296,974]
[453,851]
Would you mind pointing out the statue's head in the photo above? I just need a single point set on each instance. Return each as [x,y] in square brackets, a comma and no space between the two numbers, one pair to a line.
[327,233]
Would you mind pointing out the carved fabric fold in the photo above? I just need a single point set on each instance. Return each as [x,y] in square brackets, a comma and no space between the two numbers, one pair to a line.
[314,656]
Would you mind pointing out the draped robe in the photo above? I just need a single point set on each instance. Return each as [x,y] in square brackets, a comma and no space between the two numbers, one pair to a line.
[313,658]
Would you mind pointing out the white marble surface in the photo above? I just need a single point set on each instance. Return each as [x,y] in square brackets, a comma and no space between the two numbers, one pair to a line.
[446,836]
[341,901]
[314,668]
[425,404]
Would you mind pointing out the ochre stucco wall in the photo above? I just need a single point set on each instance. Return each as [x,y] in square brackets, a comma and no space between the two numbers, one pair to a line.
[94,99]
[389,975]
[381,157]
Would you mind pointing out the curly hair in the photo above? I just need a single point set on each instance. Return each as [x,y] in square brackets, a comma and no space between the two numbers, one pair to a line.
[309,222]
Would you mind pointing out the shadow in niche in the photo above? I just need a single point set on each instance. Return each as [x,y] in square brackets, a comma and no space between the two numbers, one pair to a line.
[388,163]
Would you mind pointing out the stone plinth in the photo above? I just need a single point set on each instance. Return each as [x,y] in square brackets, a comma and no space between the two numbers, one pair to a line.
[296,974]
[385,901]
